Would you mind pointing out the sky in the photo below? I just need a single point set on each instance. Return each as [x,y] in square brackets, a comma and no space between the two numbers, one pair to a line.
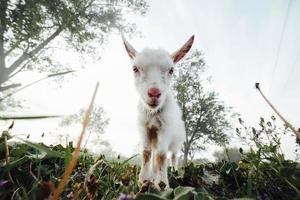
[240,41]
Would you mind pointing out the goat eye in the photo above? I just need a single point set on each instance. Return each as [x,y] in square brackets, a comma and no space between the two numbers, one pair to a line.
[171,71]
[135,69]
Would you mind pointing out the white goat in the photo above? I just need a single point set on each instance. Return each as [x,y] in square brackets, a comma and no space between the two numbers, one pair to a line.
[159,118]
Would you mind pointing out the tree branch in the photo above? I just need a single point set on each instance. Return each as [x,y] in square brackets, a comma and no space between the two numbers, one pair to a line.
[28,55]
[196,128]
[20,68]
[197,137]
[35,82]
[3,8]
[10,86]
[2,57]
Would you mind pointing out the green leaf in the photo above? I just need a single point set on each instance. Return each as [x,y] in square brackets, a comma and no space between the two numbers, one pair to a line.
[38,156]
[249,185]
[166,194]
[202,196]
[13,164]
[68,156]
[47,150]
[179,190]
[127,160]
[149,196]
[183,193]
[184,196]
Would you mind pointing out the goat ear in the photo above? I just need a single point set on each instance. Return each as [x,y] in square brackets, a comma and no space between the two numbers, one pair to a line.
[179,54]
[130,50]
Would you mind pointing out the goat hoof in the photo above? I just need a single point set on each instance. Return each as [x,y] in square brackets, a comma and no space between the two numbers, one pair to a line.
[162,185]
[145,186]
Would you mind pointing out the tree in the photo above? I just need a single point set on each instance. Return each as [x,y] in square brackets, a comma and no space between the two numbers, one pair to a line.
[205,116]
[96,126]
[28,27]
[228,154]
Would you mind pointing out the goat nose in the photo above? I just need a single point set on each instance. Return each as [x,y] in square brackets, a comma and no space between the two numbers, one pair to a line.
[154,92]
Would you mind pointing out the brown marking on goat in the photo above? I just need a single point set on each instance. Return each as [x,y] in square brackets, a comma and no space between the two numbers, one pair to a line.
[152,129]
[152,136]
[160,160]
[146,156]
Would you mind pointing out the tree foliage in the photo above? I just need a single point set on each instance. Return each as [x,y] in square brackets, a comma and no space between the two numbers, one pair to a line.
[27,28]
[96,127]
[232,154]
[97,122]
[205,116]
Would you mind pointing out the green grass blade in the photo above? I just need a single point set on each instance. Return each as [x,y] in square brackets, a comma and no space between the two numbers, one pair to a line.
[48,151]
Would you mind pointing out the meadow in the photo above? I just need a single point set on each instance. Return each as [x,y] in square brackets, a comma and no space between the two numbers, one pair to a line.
[33,171]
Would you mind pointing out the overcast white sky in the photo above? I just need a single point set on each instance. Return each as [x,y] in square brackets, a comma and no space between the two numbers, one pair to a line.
[239,40]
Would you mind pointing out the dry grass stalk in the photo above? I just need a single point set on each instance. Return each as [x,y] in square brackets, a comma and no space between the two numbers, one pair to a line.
[287,124]
[57,191]
[7,157]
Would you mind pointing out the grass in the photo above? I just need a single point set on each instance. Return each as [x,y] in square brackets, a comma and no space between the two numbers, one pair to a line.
[35,170]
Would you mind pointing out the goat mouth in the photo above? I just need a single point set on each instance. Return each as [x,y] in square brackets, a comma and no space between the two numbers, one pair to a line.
[153,104]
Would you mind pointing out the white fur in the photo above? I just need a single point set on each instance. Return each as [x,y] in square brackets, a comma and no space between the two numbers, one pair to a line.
[170,138]
[153,71]
[154,65]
